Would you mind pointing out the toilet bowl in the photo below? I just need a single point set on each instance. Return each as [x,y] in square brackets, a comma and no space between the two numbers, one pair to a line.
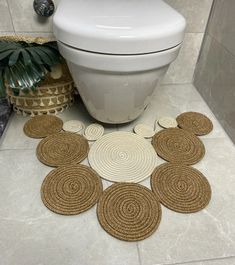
[117,52]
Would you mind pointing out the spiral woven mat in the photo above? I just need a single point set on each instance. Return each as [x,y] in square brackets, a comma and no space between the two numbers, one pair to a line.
[195,122]
[71,190]
[122,157]
[178,145]
[42,126]
[144,130]
[62,149]
[167,122]
[129,212]
[94,131]
[181,188]
[74,126]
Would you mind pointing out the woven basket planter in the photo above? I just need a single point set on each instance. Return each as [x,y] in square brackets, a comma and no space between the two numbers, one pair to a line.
[54,95]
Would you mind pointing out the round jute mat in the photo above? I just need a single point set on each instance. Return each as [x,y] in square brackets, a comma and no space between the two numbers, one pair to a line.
[129,212]
[62,149]
[181,188]
[71,190]
[122,157]
[42,126]
[178,145]
[195,122]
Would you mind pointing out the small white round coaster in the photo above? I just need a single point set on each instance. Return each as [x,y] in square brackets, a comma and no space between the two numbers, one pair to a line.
[74,126]
[167,122]
[123,157]
[94,131]
[144,130]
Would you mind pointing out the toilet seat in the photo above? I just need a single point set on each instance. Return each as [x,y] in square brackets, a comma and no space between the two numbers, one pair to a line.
[121,27]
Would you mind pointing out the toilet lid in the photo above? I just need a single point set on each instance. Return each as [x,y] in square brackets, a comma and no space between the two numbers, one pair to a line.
[118,26]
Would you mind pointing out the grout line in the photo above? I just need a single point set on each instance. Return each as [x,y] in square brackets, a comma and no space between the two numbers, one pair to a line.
[196,261]
[138,251]
[23,31]
[17,149]
[221,45]
[9,9]
[176,84]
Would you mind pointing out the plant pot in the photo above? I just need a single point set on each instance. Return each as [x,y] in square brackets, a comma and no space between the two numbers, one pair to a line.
[46,100]
[53,95]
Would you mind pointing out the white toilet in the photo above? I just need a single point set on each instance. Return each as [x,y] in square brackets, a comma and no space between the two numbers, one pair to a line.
[117,51]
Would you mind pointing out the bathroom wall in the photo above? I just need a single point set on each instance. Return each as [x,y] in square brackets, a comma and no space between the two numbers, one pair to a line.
[17,16]
[215,71]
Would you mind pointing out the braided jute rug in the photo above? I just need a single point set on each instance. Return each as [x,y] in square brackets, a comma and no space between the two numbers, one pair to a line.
[42,126]
[129,212]
[62,149]
[181,188]
[123,157]
[71,190]
[179,146]
[195,122]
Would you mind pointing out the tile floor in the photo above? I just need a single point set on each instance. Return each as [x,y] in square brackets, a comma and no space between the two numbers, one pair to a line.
[32,235]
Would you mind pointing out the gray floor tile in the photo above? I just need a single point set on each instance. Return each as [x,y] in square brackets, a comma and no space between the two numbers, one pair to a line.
[14,137]
[30,234]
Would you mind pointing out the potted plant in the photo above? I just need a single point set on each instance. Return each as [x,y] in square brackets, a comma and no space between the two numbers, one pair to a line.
[34,75]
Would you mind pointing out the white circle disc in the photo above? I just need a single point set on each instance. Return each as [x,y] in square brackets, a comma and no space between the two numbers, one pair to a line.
[74,126]
[94,131]
[123,157]
[167,122]
[144,130]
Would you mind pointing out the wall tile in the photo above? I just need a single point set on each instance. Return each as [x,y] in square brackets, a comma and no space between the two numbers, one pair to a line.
[5,18]
[28,20]
[196,12]
[222,24]
[215,80]
[182,69]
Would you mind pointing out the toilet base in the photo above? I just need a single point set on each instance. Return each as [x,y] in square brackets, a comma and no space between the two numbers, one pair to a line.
[115,97]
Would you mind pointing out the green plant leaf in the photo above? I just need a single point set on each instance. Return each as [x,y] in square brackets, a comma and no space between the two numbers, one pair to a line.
[44,57]
[2,84]
[35,57]
[10,78]
[26,57]
[14,57]
[5,54]
[52,54]
[4,46]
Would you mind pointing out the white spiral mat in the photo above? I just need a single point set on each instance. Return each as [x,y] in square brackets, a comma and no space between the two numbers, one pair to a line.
[167,122]
[123,157]
[74,126]
[94,132]
[144,130]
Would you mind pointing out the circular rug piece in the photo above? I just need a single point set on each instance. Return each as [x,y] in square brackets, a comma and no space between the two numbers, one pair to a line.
[181,188]
[179,146]
[62,149]
[122,157]
[129,212]
[195,122]
[74,126]
[94,131]
[71,190]
[144,130]
[167,122]
[42,126]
